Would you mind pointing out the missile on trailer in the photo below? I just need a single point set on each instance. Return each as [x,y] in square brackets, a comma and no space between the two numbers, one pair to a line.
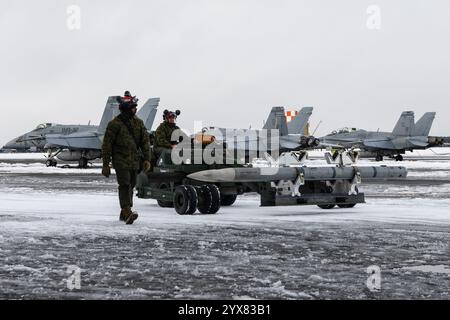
[292,173]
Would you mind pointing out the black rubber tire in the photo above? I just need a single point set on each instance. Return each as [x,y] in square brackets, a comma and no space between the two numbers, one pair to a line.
[49,163]
[193,200]
[227,199]
[164,203]
[204,199]
[399,158]
[215,194]
[82,163]
[379,158]
[185,200]
[326,206]
[180,200]
[346,206]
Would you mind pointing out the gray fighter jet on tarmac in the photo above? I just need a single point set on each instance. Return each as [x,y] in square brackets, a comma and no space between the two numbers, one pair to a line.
[275,137]
[35,140]
[406,136]
[85,146]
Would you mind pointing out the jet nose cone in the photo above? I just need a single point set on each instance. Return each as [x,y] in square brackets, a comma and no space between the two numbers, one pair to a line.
[15,143]
[10,145]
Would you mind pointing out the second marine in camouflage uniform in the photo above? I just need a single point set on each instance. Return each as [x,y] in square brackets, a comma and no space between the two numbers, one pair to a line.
[163,134]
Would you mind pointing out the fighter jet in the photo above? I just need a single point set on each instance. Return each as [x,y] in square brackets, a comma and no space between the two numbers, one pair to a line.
[85,146]
[291,134]
[406,136]
[35,140]
[275,137]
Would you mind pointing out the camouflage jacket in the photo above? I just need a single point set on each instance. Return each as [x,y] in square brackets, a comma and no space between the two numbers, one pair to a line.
[163,135]
[120,145]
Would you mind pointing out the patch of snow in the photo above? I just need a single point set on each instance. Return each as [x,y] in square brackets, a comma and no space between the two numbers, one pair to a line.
[33,168]
[242,298]
[429,268]
[319,278]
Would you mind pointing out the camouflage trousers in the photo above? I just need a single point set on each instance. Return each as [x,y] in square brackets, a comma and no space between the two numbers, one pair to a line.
[126,178]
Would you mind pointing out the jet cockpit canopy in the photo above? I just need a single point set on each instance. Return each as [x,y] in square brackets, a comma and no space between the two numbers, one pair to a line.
[344,130]
[43,126]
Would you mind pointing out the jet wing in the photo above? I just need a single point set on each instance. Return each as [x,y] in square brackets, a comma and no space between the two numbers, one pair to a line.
[379,144]
[82,141]
[323,145]
[419,141]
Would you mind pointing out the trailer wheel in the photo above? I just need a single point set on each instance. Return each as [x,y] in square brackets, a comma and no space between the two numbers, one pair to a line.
[227,199]
[164,203]
[215,203]
[185,200]
[204,199]
[349,205]
[193,199]
[326,206]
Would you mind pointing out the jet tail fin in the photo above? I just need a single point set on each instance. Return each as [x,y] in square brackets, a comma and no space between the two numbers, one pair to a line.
[148,112]
[277,120]
[423,125]
[111,110]
[405,125]
[298,124]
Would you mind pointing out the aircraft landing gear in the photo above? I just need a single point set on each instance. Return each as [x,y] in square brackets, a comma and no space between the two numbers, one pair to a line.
[379,158]
[51,163]
[83,163]
[399,158]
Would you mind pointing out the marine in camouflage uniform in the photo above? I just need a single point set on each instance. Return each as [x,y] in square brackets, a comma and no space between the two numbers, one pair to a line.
[163,134]
[126,152]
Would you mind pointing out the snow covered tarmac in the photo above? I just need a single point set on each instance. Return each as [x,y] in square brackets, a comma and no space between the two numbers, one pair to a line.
[52,218]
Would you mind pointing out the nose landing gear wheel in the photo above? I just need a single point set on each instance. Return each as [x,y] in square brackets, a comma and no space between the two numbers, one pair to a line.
[82,163]
[50,163]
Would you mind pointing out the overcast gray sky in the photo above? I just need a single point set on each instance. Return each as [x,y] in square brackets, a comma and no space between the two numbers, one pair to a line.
[226,62]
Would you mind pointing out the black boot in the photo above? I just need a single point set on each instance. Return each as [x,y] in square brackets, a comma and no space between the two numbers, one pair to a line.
[130,216]
[122,215]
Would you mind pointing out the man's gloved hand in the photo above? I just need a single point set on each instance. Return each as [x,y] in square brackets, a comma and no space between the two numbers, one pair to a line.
[146,165]
[106,170]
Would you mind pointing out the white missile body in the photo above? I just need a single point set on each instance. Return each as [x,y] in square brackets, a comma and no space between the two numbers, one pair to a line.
[309,173]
